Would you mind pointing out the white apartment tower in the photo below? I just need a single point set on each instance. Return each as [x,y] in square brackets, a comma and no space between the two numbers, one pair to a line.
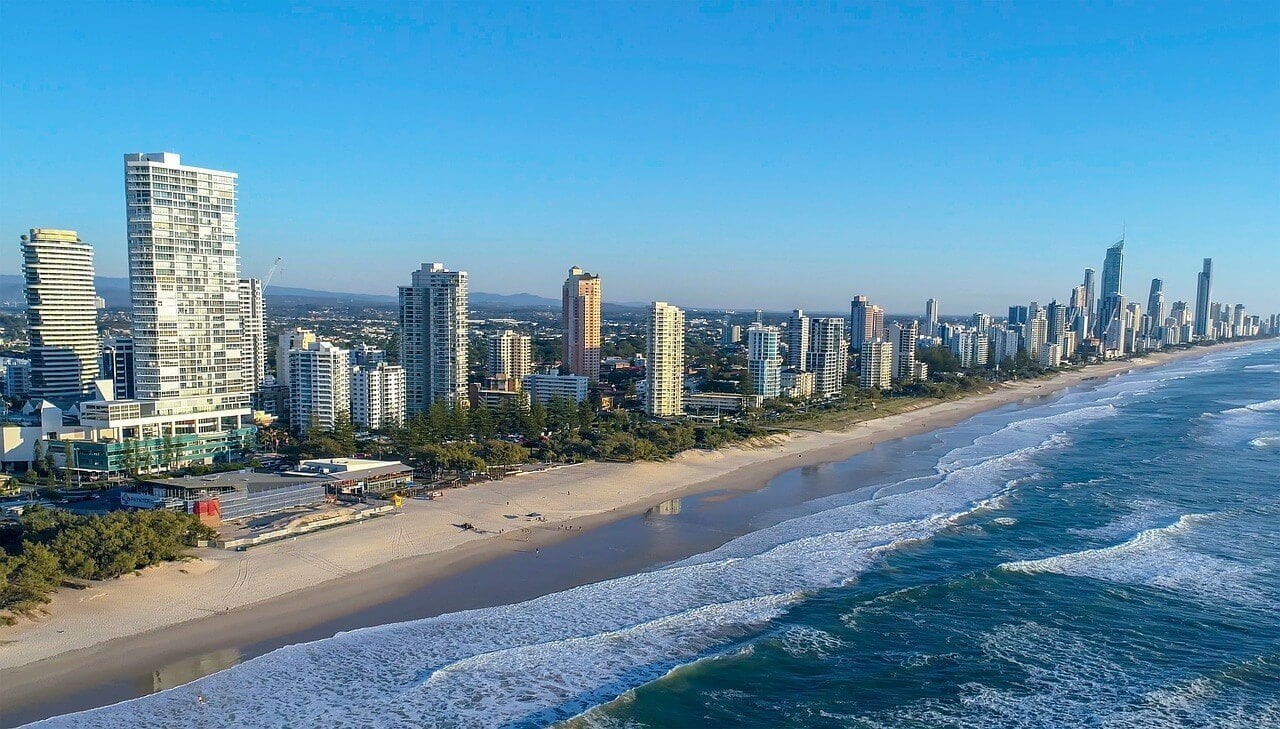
[184,281]
[377,395]
[877,365]
[764,361]
[798,340]
[903,338]
[931,318]
[253,312]
[319,385]
[296,338]
[62,318]
[664,361]
[433,337]
[827,356]
[510,354]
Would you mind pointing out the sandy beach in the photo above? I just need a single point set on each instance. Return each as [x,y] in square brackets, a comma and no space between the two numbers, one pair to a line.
[178,609]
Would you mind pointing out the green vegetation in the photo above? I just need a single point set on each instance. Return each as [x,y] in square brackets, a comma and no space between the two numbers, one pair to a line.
[48,546]
[462,440]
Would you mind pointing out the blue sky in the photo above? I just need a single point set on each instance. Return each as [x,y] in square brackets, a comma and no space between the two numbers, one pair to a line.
[711,155]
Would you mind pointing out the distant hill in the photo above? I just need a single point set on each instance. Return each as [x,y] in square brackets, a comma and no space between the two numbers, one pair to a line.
[115,291]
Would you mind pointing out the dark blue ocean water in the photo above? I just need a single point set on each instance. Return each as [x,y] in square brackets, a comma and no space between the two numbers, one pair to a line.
[1110,557]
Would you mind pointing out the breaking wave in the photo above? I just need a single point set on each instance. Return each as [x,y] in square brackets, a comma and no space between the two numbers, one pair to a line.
[1154,558]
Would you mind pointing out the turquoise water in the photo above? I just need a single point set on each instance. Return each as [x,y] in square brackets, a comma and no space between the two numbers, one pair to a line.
[1108,558]
[1130,580]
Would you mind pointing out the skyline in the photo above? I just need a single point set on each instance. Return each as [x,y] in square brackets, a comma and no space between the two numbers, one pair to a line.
[851,155]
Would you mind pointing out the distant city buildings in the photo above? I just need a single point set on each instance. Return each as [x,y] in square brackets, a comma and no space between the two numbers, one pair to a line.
[61,315]
[664,361]
[433,337]
[580,312]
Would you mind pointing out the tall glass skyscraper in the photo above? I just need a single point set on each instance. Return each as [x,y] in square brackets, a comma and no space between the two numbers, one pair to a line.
[1110,309]
[1204,285]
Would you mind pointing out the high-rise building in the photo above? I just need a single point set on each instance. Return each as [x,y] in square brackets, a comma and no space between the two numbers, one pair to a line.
[117,365]
[1204,285]
[876,364]
[798,340]
[580,304]
[1018,315]
[980,321]
[1110,309]
[510,354]
[377,395]
[433,337]
[931,318]
[664,361]
[61,317]
[1155,302]
[730,334]
[319,385]
[253,312]
[764,361]
[296,338]
[1056,314]
[971,347]
[828,358]
[902,337]
[1036,333]
[363,355]
[17,377]
[866,322]
[185,286]
[1090,294]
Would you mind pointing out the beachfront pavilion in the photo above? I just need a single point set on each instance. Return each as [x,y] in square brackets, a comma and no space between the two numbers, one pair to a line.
[358,477]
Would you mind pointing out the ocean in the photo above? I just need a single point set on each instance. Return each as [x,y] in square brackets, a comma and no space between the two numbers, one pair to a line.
[1109,556]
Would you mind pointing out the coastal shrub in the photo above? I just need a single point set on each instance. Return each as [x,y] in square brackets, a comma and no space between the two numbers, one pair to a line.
[53,544]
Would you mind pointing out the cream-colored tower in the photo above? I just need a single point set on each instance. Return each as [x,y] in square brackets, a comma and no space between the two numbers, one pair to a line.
[664,361]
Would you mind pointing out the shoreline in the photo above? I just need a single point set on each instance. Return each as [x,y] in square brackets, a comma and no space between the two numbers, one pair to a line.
[282,588]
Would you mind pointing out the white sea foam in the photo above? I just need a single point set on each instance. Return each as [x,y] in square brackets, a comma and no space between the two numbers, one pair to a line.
[1155,558]
[805,641]
[1252,424]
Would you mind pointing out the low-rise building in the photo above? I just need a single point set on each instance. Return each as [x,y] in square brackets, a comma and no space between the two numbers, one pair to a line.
[542,388]
[719,402]
[797,384]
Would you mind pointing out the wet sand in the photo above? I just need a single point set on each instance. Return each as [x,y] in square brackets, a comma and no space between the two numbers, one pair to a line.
[100,665]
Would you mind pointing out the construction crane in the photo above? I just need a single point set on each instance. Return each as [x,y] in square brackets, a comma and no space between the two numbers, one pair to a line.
[271,274]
